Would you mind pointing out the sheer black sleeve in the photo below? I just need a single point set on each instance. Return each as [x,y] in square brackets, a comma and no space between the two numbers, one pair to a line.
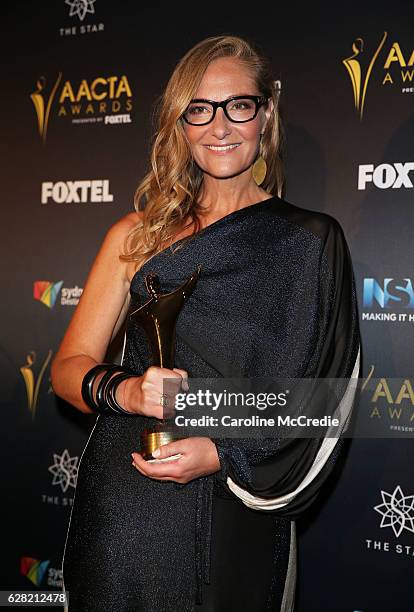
[284,476]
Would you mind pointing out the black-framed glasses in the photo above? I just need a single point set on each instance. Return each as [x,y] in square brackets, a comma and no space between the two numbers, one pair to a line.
[238,109]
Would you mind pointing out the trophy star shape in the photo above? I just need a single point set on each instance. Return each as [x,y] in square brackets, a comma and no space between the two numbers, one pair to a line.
[158,318]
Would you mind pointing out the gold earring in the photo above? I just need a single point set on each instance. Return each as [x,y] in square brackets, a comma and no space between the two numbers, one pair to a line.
[259,168]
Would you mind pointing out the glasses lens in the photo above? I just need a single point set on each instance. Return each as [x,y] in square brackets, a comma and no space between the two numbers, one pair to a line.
[198,113]
[241,109]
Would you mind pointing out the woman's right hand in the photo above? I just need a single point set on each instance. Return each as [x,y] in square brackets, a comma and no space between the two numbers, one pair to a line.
[141,394]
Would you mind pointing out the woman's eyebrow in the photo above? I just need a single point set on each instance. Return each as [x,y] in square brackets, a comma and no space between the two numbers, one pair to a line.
[227,98]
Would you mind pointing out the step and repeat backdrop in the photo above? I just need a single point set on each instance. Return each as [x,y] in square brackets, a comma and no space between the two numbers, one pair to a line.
[80,81]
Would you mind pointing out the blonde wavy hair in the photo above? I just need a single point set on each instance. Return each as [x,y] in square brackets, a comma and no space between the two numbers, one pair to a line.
[172,185]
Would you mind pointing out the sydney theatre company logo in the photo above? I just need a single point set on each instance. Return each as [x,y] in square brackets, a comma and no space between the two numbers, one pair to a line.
[40,573]
[103,99]
[397,68]
[47,292]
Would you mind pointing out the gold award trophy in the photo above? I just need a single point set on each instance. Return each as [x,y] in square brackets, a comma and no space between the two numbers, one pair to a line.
[158,318]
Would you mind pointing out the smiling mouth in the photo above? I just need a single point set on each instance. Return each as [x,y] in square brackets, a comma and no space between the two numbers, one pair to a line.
[222,147]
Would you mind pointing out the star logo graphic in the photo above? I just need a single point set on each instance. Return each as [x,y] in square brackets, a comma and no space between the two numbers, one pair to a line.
[64,470]
[81,8]
[397,511]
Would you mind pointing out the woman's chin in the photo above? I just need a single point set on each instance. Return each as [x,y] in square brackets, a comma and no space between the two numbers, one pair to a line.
[223,173]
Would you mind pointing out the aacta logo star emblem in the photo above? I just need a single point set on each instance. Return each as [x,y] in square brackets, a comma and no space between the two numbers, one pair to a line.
[397,511]
[80,8]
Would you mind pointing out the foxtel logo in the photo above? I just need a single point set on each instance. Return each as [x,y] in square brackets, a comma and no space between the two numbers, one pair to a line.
[385,176]
[77,192]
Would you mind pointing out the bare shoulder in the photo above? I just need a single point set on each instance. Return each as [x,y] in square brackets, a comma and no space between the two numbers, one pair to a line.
[114,241]
[131,220]
[123,226]
[107,260]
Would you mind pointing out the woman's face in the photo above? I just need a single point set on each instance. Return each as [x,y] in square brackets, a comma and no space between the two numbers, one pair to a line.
[226,77]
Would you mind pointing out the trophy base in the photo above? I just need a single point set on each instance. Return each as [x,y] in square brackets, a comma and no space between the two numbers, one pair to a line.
[150,440]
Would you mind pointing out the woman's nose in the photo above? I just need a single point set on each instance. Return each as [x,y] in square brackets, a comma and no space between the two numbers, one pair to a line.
[220,125]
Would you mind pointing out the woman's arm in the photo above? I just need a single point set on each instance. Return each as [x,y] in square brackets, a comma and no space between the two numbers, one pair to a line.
[97,318]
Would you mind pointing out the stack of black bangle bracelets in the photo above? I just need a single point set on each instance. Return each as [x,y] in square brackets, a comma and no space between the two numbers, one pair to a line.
[104,400]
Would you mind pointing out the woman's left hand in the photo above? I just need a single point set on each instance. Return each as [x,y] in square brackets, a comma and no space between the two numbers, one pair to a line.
[198,458]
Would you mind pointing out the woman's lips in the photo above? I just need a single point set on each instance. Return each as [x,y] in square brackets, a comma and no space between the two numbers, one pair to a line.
[222,150]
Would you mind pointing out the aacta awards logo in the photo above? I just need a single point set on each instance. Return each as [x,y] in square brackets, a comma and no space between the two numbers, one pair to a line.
[398,68]
[33,381]
[390,404]
[106,100]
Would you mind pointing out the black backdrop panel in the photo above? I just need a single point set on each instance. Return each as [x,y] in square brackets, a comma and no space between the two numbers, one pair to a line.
[70,168]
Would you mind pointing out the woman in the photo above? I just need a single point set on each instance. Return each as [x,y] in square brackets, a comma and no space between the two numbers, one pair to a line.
[213,529]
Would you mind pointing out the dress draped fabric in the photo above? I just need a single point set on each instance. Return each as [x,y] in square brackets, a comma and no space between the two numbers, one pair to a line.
[275,298]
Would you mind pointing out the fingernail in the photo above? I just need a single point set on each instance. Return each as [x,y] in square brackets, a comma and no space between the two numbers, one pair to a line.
[156,452]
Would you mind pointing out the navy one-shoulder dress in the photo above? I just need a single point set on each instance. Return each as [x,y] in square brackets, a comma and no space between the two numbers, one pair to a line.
[276,298]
